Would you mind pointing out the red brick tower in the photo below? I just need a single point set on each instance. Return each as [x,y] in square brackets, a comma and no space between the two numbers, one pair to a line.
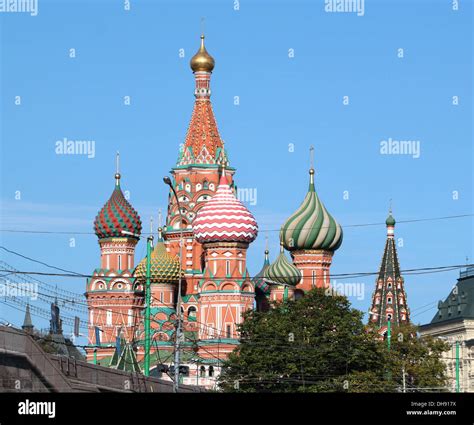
[225,227]
[110,293]
[197,172]
[312,235]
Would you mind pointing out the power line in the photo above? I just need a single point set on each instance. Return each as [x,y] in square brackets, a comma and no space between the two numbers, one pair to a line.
[449,217]
[414,271]
[36,261]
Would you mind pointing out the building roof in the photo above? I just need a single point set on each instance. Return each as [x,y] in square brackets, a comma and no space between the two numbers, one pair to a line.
[390,266]
[202,61]
[224,218]
[459,305]
[259,278]
[164,267]
[282,272]
[117,216]
[27,322]
[203,144]
[311,226]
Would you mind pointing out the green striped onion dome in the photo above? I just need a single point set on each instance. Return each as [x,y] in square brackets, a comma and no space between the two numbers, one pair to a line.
[164,268]
[282,272]
[311,226]
[390,220]
[117,216]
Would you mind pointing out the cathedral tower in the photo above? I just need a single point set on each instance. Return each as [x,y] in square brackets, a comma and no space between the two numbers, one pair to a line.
[389,300]
[196,174]
[312,235]
[110,292]
[225,228]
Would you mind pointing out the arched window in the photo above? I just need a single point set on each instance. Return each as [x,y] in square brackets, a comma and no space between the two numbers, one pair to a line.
[202,372]
[211,371]
[389,316]
[192,312]
[389,300]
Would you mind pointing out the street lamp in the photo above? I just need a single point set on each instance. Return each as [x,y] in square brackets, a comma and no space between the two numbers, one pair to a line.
[146,360]
[168,182]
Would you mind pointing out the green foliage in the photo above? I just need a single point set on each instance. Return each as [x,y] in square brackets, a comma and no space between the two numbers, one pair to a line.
[320,344]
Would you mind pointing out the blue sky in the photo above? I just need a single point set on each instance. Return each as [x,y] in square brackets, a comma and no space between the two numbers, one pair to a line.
[282,100]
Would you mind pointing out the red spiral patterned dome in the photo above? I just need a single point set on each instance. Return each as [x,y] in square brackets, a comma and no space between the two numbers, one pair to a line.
[224,218]
[116,216]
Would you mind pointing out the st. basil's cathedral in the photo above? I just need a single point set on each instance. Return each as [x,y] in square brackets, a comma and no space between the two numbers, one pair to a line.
[216,229]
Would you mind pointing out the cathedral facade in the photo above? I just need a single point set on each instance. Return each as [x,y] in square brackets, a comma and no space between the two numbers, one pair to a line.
[203,245]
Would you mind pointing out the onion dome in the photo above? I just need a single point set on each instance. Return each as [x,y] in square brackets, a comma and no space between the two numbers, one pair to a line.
[224,218]
[282,272]
[258,279]
[202,61]
[164,268]
[390,220]
[311,226]
[117,216]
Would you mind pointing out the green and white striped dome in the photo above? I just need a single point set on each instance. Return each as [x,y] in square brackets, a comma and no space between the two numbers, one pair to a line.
[311,226]
[282,272]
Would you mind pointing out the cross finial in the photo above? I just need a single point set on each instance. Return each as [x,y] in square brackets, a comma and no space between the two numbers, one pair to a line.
[117,168]
[203,26]
[151,224]
[311,157]
[390,206]
[159,217]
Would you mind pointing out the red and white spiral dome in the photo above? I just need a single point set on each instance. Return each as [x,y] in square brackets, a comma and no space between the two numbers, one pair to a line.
[224,218]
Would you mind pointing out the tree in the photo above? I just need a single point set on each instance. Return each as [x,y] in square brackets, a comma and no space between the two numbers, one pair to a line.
[419,359]
[320,344]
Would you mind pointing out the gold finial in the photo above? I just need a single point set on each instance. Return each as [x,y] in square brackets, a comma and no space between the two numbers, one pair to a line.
[266,247]
[202,61]
[282,250]
[117,169]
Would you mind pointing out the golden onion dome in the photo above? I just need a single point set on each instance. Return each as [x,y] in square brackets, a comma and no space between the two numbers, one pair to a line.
[202,61]
[164,268]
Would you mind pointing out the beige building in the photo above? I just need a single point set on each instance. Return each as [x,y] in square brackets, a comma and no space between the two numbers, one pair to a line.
[454,322]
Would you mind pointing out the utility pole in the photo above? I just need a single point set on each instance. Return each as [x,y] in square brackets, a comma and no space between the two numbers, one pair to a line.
[149,242]
[168,182]
[404,382]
